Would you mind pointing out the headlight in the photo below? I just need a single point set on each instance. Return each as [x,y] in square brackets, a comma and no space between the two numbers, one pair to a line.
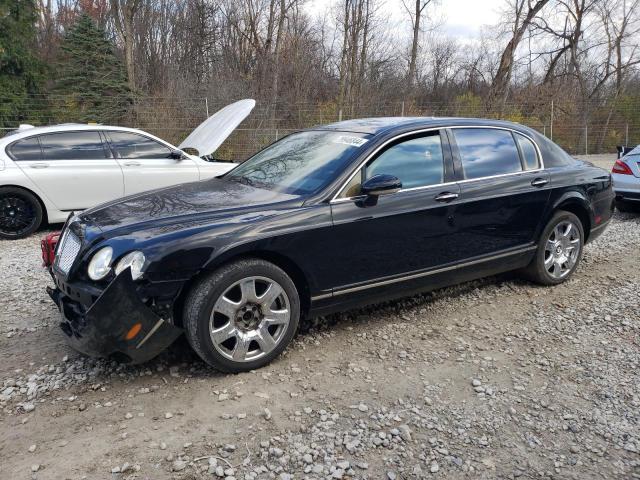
[100,264]
[135,260]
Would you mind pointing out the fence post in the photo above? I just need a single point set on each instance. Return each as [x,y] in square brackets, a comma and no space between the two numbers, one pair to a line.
[402,109]
[586,140]
[544,130]
[551,126]
[340,115]
[626,135]
[276,134]
[206,105]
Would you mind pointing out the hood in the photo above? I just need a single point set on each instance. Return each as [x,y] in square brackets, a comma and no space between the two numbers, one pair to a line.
[214,130]
[181,204]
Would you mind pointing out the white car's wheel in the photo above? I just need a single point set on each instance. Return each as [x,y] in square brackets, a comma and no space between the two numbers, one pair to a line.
[20,213]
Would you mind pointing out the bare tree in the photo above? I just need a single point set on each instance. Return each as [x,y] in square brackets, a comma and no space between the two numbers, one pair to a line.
[523,14]
[415,12]
[124,12]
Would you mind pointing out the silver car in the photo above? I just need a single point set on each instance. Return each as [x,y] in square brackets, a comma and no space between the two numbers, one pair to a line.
[626,181]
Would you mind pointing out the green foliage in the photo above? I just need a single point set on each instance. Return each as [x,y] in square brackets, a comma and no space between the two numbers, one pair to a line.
[468,105]
[91,81]
[20,70]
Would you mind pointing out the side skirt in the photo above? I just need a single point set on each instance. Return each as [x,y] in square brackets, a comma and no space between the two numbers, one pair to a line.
[392,288]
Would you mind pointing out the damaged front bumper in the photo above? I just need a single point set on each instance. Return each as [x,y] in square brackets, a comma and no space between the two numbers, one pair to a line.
[116,325]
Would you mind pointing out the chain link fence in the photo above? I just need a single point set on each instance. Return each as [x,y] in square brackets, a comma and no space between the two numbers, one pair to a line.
[173,118]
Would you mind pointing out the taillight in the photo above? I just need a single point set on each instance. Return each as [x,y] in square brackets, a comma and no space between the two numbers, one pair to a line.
[621,168]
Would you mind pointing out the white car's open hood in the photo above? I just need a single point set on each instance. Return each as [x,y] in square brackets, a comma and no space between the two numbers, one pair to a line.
[214,130]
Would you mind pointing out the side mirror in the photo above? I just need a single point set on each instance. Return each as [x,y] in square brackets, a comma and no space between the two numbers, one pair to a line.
[381,185]
[176,155]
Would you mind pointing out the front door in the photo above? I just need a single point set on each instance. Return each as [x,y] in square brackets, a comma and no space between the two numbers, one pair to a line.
[503,190]
[396,234]
[148,164]
[76,170]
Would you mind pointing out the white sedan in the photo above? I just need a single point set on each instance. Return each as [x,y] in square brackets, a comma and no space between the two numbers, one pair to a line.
[48,172]
[626,181]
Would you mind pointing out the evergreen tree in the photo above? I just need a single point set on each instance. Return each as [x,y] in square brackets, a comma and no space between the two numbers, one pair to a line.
[20,70]
[91,82]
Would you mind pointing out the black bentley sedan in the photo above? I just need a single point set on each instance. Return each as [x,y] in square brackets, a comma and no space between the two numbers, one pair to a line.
[323,220]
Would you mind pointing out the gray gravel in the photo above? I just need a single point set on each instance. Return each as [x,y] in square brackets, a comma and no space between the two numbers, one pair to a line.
[491,379]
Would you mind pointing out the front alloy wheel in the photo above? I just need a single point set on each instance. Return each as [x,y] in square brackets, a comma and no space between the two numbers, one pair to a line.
[249,319]
[242,316]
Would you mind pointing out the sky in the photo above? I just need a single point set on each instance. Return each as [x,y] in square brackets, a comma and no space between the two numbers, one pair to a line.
[460,18]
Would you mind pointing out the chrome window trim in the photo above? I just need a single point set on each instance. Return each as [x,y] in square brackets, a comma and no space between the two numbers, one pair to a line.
[435,271]
[335,198]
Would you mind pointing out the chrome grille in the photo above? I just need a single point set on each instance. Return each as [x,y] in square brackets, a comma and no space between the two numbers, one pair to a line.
[67,251]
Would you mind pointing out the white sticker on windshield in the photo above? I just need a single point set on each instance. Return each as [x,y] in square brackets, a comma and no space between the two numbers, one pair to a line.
[352,141]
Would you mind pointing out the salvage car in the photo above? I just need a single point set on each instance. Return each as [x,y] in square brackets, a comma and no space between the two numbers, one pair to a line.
[47,172]
[626,181]
[324,220]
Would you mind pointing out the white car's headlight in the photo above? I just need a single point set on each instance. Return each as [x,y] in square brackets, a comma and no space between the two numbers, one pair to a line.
[135,260]
[100,264]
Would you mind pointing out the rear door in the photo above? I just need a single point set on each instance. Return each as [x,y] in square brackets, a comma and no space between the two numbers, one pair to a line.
[148,163]
[503,190]
[400,233]
[75,170]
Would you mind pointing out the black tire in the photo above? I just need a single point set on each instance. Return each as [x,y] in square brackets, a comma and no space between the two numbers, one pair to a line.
[20,213]
[627,207]
[199,308]
[536,271]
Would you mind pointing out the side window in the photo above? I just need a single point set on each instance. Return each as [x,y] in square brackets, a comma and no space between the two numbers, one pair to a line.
[26,149]
[417,162]
[487,151]
[85,145]
[132,145]
[529,153]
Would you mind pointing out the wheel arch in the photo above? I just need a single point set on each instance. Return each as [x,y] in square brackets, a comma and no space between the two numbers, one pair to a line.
[579,206]
[43,205]
[283,262]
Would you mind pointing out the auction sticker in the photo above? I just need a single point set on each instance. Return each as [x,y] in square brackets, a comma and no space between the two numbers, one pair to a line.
[353,141]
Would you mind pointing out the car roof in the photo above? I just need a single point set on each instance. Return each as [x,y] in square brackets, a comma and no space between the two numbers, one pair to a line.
[379,125]
[28,130]
[635,151]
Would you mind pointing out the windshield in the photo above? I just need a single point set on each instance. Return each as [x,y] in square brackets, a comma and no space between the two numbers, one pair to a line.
[300,164]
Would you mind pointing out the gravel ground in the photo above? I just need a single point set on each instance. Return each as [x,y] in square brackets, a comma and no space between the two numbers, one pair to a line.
[497,378]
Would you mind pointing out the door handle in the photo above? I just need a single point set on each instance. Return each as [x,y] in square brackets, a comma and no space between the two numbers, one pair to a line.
[132,164]
[539,182]
[39,165]
[446,197]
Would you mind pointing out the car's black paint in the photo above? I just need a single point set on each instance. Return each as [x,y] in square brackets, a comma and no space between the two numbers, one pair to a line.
[102,328]
[381,185]
[349,252]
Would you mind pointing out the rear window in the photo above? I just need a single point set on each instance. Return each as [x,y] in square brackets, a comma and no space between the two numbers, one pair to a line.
[529,153]
[485,152]
[26,149]
[86,145]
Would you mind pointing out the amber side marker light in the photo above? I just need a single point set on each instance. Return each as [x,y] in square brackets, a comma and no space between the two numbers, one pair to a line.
[133,331]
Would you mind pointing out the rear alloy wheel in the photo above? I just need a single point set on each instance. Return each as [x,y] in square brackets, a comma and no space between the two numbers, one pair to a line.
[559,250]
[242,316]
[562,249]
[20,213]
